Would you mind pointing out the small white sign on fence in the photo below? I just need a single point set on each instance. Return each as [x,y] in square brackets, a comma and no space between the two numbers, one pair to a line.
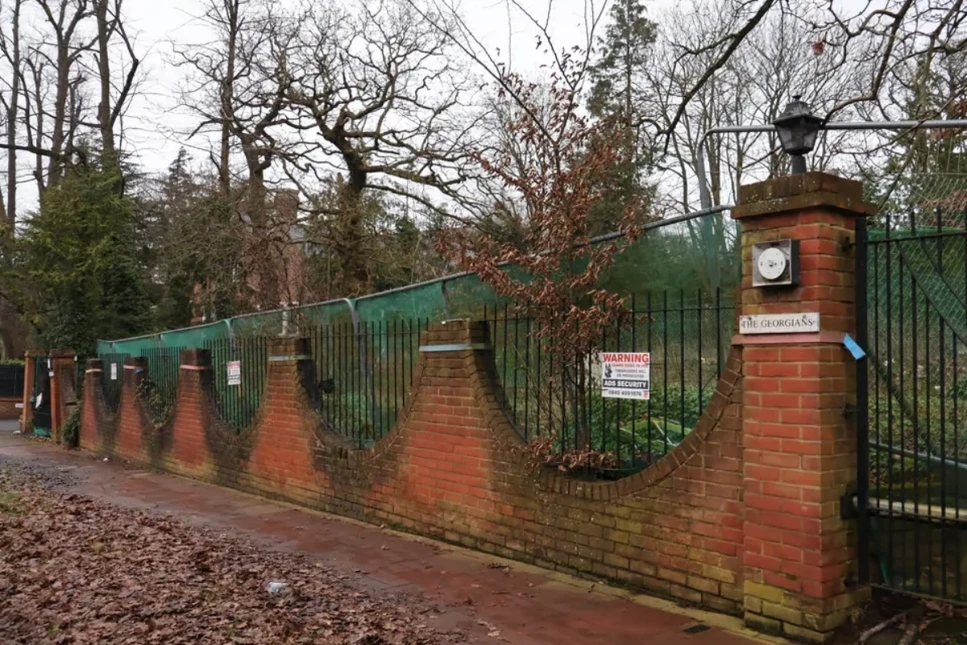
[114,371]
[234,370]
[626,375]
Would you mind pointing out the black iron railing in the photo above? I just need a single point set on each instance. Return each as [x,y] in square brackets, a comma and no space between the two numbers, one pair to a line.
[239,371]
[363,374]
[113,379]
[159,388]
[687,337]
[12,381]
[913,446]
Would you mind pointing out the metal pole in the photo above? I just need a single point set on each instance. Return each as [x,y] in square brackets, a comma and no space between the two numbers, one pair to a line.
[703,187]
[862,403]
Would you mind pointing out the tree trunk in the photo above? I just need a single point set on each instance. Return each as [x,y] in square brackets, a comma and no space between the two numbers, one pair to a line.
[37,73]
[227,95]
[350,240]
[55,168]
[12,120]
[104,70]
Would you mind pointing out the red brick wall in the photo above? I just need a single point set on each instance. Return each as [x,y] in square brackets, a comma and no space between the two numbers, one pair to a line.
[8,407]
[455,469]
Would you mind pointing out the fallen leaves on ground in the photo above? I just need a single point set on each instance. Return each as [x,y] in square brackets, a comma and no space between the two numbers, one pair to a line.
[73,571]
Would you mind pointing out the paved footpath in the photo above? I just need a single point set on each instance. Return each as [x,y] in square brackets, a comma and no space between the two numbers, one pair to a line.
[493,600]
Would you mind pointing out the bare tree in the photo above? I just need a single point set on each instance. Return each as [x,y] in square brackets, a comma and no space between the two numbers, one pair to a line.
[778,60]
[237,87]
[376,99]
[10,46]
[110,107]
[63,21]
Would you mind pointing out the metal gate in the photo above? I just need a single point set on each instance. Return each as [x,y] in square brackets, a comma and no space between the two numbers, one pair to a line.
[41,396]
[912,421]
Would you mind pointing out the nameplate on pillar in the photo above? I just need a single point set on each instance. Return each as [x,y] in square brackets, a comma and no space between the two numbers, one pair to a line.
[779,323]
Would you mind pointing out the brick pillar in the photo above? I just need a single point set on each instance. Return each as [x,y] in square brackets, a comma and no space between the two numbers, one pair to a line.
[799,442]
[62,379]
[27,414]
[284,445]
[189,447]
[128,435]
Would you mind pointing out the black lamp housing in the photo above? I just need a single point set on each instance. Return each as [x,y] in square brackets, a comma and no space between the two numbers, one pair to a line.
[798,127]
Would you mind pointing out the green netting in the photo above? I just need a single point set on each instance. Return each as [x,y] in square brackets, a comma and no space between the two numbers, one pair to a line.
[696,255]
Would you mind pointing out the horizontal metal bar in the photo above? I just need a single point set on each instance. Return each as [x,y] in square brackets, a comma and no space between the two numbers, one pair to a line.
[911,238]
[703,187]
[457,347]
[920,455]
[291,357]
[918,510]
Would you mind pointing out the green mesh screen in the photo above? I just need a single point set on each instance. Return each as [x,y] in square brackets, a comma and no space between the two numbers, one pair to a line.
[700,254]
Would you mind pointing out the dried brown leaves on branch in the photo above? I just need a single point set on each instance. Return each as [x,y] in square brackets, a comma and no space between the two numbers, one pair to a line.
[74,571]
[555,270]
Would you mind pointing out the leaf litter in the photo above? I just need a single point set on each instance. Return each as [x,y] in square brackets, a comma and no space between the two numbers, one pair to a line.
[76,571]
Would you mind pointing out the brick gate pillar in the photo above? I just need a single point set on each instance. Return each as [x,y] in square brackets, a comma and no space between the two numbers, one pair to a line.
[62,376]
[799,436]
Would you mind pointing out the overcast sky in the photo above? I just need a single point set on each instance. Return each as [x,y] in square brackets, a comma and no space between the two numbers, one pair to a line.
[155,126]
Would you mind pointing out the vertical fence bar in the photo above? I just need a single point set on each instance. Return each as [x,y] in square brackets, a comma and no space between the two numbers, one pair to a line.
[664,362]
[719,359]
[915,470]
[634,407]
[927,397]
[891,327]
[681,349]
[943,458]
[538,345]
[902,393]
[527,379]
[515,355]
[874,303]
[395,362]
[862,405]
[701,383]
[650,423]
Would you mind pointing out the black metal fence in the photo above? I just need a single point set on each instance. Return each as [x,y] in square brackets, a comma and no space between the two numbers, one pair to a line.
[12,381]
[160,386]
[913,471]
[687,337]
[113,379]
[41,396]
[363,374]
[239,369]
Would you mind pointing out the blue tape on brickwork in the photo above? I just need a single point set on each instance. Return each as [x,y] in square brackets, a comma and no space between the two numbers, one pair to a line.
[853,348]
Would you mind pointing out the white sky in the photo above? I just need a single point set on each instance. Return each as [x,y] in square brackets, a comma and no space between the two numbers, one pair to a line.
[155,126]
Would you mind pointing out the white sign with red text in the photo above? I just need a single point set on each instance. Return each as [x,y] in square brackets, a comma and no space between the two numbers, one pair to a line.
[234,372]
[626,375]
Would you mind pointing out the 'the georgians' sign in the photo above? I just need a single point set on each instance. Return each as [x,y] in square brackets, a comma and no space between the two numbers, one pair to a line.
[779,323]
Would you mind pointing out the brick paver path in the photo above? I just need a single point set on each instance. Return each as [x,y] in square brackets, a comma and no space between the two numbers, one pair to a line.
[492,602]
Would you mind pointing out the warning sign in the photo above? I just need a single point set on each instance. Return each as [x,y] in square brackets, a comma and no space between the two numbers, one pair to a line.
[626,375]
[234,372]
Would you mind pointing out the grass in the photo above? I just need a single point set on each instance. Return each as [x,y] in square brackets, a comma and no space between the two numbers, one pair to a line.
[10,503]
